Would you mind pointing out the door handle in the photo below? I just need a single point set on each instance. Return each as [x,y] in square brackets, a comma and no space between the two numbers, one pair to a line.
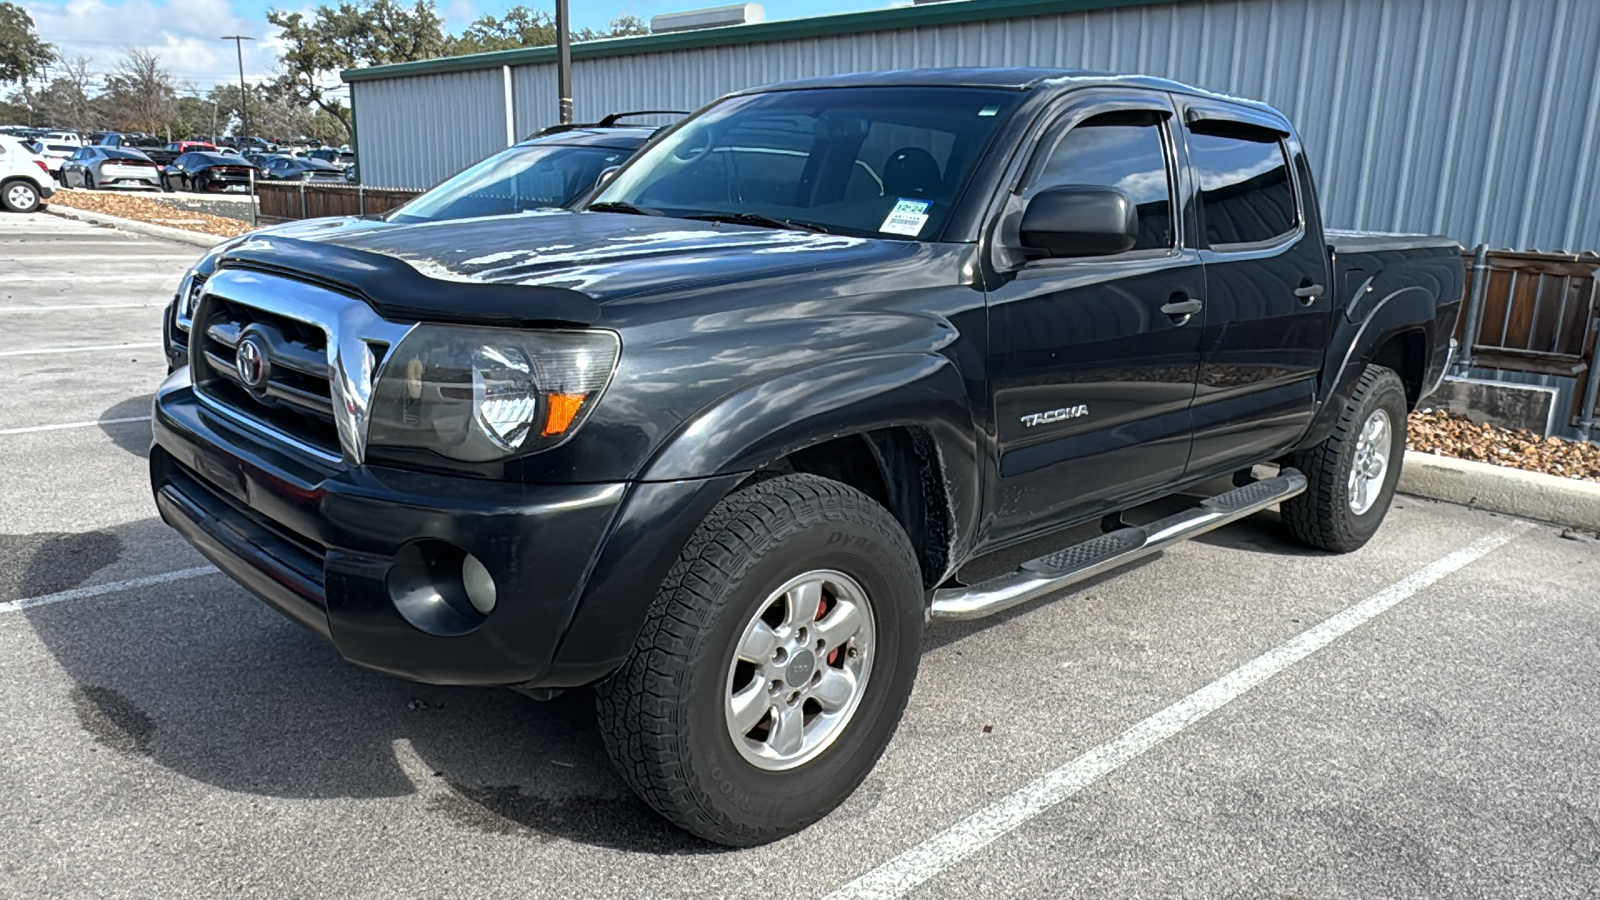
[1181,310]
[1309,293]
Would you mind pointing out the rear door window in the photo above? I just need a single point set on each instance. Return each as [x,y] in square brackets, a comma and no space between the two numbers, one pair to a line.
[1247,195]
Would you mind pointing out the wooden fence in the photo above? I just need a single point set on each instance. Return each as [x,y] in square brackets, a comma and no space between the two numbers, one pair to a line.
[1537,313]
[284,201]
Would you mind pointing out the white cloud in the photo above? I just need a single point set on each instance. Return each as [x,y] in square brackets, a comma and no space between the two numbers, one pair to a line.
[458,14]
[183,32]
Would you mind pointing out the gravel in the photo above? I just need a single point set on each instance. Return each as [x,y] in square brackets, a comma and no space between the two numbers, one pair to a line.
[1448,434]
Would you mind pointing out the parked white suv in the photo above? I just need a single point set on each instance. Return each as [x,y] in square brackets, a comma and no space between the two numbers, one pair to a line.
[25,181]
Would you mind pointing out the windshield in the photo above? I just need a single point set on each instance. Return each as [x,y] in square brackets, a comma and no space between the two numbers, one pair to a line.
[540,176]
[883,162]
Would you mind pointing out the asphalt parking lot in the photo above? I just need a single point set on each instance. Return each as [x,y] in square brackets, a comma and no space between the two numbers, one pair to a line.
[1236,717]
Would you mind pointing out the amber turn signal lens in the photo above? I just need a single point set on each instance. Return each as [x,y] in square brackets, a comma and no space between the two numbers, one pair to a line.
[563,409]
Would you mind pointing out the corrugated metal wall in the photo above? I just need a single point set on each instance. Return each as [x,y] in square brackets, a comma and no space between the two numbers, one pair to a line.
[416,132]
[1479,119]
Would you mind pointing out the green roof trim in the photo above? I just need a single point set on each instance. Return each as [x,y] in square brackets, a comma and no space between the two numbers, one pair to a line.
[922,16]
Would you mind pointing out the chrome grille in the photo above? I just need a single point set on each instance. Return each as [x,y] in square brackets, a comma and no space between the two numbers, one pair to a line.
[296,396]
[313,358]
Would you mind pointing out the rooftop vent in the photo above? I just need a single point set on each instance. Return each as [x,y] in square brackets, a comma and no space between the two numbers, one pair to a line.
[714,17]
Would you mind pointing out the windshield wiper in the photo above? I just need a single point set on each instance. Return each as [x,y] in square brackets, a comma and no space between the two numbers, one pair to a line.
[618,206]
[749,218]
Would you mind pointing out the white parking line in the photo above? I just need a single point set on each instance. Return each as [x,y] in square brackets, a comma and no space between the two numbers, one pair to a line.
[101,589]
[35,309]
[120,276]
[30,429]
[905,872]
[47,350]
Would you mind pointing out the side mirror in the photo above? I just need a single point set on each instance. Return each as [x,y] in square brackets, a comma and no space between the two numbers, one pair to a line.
[1080,220]
[606,175]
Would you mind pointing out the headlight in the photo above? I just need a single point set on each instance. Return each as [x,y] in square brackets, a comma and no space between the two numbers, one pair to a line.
[481,394]
[189,290]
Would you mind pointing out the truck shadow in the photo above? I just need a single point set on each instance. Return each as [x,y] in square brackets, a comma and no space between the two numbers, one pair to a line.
[202,679]
[131,437]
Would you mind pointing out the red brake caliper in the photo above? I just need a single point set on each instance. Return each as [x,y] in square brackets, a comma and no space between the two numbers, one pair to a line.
[822,609]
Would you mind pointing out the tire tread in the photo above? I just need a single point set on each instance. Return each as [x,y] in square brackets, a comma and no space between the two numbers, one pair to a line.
[639,707]
[1320,517]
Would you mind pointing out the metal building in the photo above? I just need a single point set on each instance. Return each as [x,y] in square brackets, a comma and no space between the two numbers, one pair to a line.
[1479,119]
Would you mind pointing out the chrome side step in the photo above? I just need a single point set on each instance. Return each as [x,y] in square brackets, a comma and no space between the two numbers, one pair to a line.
[1080,562]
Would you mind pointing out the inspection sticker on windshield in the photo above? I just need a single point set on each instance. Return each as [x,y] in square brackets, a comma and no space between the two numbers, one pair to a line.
[907,217]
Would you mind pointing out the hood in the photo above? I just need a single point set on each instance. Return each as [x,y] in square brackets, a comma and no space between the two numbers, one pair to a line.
[575,267]
[607,256]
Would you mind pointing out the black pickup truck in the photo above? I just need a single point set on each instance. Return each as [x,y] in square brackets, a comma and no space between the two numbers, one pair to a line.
[721,438]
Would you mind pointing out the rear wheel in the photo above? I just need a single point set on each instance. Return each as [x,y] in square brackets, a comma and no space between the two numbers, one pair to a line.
[775,663]
[1352,474]
[20,197]
[88,180]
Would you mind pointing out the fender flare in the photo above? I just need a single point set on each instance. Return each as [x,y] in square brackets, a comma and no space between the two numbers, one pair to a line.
[755,425]
[1410,308]
[713,452]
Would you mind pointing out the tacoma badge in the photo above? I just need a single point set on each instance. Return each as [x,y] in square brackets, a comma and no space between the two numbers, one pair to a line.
[1056,415]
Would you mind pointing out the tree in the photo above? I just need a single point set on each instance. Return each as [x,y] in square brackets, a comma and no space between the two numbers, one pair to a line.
[68,100]
[350,34]
[524,27]
[22,54]
[139,94]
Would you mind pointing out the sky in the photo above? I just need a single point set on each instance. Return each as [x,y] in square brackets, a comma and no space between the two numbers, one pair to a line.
[185,32]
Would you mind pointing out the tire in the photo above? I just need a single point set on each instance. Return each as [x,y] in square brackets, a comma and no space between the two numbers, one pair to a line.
[667,715]
[19,196]
[1330,515]
[88,181]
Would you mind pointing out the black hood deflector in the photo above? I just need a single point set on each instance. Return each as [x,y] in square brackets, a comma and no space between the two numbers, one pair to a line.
[398,291]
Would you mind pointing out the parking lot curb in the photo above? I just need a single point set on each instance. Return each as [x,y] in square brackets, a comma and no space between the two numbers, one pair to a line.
[1533,495]
[145,228]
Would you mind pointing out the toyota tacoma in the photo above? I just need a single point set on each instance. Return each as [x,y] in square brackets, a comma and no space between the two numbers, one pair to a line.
[721,437]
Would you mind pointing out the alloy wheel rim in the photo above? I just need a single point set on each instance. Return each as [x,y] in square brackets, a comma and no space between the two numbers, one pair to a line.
[1370,466]
[20,196]
[799,670]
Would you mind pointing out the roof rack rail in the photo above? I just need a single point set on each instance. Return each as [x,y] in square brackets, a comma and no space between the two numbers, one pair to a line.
[611,121]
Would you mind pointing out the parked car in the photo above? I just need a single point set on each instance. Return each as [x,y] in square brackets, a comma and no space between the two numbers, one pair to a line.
[54,154]
[208,171]
[149,145]
[287,168]
[717,442]
[181,147]
[548,170]
[24,177]
[342,159]
[259,160]
[108,167]
[246,144]
[71,138]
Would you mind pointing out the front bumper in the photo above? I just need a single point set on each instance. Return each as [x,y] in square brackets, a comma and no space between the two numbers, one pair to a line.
[318,543]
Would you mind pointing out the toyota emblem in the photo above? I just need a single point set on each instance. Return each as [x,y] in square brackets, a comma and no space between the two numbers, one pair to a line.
[251,362]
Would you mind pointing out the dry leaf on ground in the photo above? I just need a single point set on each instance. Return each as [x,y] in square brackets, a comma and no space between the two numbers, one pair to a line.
[142,208]
[1447,434]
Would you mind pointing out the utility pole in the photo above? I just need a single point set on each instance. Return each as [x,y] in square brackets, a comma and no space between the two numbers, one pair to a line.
[244,113]
[564,62]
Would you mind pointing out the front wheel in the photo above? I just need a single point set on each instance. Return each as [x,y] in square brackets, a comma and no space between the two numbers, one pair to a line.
[1351,475]
[775,663]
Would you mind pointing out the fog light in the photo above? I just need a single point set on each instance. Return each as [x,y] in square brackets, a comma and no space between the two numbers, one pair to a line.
[479,584]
